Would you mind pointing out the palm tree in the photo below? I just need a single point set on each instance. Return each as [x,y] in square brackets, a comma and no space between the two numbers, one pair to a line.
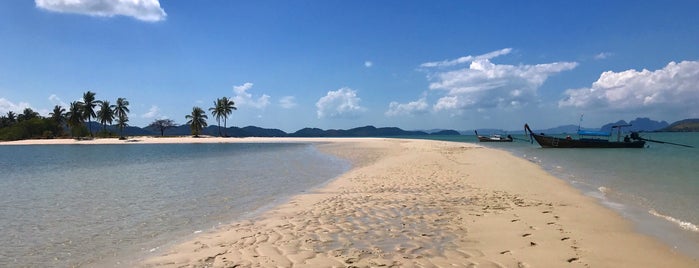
[121,111]
[11,117]
[74,116]
[88,108]
[227,106]
[105,114]
[27,115]
[197,120]
[58,116]
[217,111]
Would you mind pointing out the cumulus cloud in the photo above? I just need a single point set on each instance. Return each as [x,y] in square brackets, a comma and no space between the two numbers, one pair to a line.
[603,55]
[287,102]
[484,84]
[7,106]
[672,89]
[145,10]
[57,101]
[153,112]
[339,103]
[411,108]
[467,59]
[243,98]
[368,64]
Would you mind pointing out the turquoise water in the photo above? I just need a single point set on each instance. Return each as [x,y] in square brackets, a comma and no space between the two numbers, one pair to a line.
[656,187]
[106,205]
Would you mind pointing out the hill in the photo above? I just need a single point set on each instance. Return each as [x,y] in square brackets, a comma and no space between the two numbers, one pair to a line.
[686,125]
[638,124]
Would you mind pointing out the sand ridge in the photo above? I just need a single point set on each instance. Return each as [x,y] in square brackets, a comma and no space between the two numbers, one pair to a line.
[417,203]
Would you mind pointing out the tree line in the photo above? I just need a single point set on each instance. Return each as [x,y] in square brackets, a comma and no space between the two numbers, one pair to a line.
[31,125]
[76,122]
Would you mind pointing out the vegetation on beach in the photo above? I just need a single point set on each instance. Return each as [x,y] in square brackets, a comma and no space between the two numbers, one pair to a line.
[76,121]
[31,125]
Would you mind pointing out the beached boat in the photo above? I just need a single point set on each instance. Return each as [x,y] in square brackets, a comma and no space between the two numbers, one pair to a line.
[588,139]
[493,138]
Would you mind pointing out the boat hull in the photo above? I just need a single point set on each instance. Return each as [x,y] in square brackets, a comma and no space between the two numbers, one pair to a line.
[489,139]
[555,142]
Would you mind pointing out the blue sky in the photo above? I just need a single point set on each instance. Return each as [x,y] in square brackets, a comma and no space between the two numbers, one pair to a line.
[342,64]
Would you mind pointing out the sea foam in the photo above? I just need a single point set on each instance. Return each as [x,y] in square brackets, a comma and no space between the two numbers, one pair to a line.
[683,224]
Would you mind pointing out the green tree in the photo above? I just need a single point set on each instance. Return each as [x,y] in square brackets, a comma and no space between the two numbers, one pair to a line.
[88,108]
[59,117]
[227,106]
[106,114]
[197,120]
[162,125]
[217,111]
[121,111]
[74,117]
[27,114]
[8,120]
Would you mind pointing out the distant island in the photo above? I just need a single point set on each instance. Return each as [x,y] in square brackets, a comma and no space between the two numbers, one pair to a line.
[687,125]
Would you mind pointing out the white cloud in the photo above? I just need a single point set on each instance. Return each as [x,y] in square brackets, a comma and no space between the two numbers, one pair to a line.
[6,106]
[484,84]
[466,59]
[287,102]
[145,10]
[673,89]
[603,55]
[368,64]
[243,98]
[339,103]
[57,101]
[153,112]
[411,108]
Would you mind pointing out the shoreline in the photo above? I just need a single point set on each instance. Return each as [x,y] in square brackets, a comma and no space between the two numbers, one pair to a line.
[423,203]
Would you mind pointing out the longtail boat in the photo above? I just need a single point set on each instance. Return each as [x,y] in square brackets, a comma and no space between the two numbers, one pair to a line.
[493,138]
[588,139]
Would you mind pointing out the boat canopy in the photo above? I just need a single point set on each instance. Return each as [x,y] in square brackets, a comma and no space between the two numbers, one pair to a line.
[593,133]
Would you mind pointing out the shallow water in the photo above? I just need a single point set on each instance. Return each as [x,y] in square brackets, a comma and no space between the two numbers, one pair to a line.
[87,205]
[656,187]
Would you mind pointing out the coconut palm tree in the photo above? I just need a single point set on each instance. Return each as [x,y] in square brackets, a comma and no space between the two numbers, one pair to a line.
[88,108]
[227,106]
[58,114]
[197,120]
[11,117]
[121,111]
[59,117]
[217,111]
[74,116]
[105,114]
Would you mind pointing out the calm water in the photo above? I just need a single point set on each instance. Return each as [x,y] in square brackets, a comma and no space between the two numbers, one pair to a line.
[656,187]
[99,205]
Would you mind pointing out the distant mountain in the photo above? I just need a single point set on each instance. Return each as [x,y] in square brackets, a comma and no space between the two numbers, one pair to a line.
[366,131]
[447,132]
[565,129]
[253,131]
[638,124]
[686,125]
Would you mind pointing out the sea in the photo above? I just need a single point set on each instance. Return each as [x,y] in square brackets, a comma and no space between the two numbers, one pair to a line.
[656,187]
[111,205]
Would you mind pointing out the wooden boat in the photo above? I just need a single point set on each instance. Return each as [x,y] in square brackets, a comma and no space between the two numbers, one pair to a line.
[588,139]
[493,138]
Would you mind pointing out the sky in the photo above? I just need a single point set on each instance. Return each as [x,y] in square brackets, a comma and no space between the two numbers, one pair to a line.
[331,64]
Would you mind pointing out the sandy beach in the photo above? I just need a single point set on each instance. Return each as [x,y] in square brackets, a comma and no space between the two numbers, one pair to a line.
[420,203]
